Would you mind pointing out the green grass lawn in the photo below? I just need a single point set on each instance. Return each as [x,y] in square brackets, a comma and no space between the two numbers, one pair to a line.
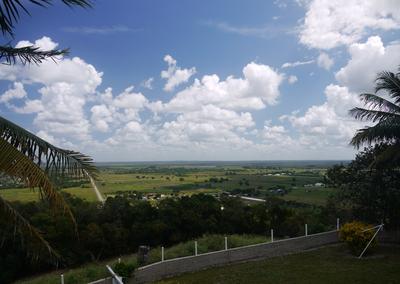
[326,265]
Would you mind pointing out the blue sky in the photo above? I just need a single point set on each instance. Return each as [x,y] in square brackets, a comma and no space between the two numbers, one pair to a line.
[202,80]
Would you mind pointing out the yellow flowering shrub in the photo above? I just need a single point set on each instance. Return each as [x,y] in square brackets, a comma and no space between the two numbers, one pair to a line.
[356,235]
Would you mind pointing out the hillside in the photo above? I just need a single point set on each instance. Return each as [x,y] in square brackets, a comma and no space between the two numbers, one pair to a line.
[327,265]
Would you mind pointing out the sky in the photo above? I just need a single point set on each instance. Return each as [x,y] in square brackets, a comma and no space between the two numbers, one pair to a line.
[156,80]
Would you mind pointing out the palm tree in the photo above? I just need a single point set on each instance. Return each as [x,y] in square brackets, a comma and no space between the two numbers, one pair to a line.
[382,108]
[25,156]
[9,14]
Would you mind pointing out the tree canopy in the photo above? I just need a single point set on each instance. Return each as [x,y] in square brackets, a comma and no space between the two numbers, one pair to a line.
[383,109]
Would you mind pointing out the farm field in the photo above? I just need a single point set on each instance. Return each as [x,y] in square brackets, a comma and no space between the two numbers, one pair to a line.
[327,265]
[255,181]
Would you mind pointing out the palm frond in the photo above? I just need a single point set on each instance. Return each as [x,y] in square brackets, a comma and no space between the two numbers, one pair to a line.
[55,162]
[81,3]
[389,82]
[10,11]
[15,164]
[27,54]
[24,228]
[374,115]
[374,101]
[384,131]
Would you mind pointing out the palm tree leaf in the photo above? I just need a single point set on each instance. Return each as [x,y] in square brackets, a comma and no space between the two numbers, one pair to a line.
[9,11]
[28,54]
[389,82]
[16,164]
[384,131]
[374,115]
[24,228]
[374,100]
[56,162]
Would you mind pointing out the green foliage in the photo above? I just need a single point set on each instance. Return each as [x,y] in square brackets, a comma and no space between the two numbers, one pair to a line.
[124,270]
[386,114]
[122,224]
[357,235]
[372,193]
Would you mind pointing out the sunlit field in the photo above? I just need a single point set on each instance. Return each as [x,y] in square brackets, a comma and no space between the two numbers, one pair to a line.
[187,180]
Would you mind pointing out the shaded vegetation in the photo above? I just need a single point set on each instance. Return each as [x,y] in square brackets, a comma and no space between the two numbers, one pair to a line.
[122,224]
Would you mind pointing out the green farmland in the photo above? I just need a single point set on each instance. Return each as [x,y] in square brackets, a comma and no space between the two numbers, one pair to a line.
[254,181]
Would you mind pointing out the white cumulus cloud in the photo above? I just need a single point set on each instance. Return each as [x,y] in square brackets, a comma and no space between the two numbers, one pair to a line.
[64,89]
[366,61]
[175,75]
[328,124]
[331,23]
[258,87]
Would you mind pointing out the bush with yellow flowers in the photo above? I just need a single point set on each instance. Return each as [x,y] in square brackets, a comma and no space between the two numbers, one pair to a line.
[357,235]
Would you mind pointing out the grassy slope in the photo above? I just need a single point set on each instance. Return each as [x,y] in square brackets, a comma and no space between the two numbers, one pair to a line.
[95,271]
[207,243]
[326,265]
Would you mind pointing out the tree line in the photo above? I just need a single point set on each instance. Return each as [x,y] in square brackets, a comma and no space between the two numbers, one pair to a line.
[122,224]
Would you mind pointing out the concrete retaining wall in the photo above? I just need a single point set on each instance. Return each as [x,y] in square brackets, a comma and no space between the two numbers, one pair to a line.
[159,270]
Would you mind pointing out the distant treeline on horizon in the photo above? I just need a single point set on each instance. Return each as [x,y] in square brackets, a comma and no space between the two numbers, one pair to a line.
[271,163]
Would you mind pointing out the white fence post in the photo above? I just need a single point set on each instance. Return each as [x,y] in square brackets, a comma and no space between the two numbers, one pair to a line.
[162,253]
[272,235]
[62,278]
[337,224]
[119,260]
[195,247]
[306,230]
[226,243]
[115,278]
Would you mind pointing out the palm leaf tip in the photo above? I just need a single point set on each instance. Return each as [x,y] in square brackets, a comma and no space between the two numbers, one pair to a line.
[390,83]
[10,10]
[28,54]
[55,161]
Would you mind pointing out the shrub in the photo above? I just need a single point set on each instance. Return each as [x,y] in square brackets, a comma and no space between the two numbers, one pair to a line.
[356,235]
[124,270]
